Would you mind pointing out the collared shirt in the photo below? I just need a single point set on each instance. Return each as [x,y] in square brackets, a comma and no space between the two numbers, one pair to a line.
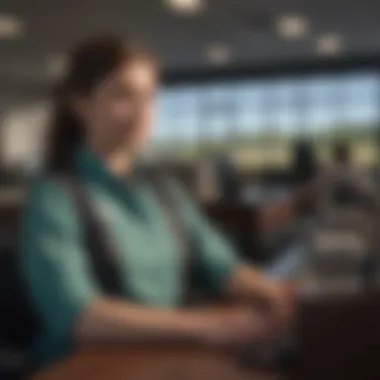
[57,269]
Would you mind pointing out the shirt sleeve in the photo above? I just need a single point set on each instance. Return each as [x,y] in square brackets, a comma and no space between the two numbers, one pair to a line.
[216,256]
[53,258]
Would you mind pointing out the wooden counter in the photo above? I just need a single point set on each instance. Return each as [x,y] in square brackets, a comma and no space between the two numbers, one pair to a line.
[177,363]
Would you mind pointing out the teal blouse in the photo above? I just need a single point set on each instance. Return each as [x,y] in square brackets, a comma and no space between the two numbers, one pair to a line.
[56,267]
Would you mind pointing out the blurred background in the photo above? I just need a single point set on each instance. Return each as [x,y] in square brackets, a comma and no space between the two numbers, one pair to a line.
[264,94]
[242,78]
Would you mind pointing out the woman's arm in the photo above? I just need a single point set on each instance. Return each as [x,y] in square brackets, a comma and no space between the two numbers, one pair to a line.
[220,264]
[119,322]
[247,284]
[116,322]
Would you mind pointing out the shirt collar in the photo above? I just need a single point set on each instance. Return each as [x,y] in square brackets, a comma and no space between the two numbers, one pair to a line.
[93,168]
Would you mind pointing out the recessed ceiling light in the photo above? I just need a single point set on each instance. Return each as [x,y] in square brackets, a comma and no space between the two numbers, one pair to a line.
[329,44]
[10,26]
[292,26]
[218,54]
[57,65]
[187,7]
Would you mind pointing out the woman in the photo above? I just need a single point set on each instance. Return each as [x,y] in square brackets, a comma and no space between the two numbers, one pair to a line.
[102,117]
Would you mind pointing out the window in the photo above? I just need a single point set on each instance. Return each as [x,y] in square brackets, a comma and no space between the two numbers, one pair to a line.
[260,119]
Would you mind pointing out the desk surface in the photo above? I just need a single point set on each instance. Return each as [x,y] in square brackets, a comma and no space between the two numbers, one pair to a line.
[152,364]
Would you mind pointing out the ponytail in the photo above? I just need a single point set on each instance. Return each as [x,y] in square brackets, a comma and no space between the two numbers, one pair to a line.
[66,135]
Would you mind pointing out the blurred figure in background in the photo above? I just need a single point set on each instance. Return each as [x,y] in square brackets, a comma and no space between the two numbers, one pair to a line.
[206,181]
[343,183]
[218,178]
[305,166]
[304,171]
[102,118]
[228,177]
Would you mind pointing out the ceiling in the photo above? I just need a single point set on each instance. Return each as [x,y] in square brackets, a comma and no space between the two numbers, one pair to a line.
[52,26]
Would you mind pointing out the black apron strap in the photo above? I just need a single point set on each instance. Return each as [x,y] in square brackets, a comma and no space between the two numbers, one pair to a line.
[101,251]
[171,208]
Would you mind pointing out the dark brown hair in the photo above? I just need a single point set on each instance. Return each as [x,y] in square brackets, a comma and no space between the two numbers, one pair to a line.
[89,64]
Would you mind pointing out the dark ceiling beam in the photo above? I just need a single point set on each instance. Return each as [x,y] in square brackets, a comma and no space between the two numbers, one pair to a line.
[260,71]
[295,69]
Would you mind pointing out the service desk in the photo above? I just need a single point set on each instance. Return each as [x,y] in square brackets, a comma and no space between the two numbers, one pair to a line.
[176,363]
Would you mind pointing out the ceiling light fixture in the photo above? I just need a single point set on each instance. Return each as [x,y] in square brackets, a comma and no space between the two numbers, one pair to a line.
[10,26]
[218,54]
[186,7]
[292,26]
[329,44]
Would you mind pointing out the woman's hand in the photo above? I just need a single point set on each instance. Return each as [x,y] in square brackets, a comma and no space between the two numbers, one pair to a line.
[274,298]
[234,328]
[279,298]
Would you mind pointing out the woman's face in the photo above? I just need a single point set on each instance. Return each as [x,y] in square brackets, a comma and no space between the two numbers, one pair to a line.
[118,112]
